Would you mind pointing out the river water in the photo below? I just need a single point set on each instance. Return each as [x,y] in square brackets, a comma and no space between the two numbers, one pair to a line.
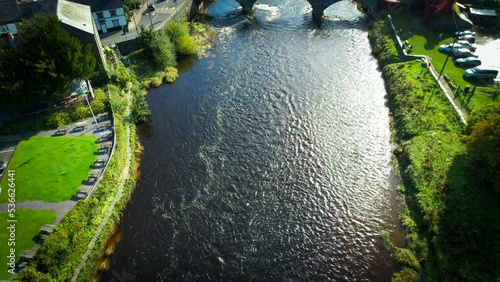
[267,161]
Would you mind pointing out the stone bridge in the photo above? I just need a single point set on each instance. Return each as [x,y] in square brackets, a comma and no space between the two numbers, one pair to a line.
[318,6]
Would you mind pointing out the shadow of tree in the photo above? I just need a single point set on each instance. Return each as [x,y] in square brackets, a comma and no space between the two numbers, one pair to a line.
[468,246]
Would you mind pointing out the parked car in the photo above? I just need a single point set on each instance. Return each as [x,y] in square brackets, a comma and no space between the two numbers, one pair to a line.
[466,44]
[481,72]
[3,166]
[452,47]
[468,62]
[464,53]
[151,7]
[468,37]
[465,32]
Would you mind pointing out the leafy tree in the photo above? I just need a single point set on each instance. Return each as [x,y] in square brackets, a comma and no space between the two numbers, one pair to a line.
[179,34]
[30,274]
[163,51]
[483,146]
[44,64]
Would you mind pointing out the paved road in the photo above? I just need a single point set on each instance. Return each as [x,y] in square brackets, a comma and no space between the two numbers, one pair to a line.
[163,12]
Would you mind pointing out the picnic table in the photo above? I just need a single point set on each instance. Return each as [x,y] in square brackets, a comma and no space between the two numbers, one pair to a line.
[47,228]
[27,254]
[80,125]
[62,130]
[85,189]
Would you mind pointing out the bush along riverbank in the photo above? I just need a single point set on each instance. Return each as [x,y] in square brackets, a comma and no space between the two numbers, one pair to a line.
[450,174]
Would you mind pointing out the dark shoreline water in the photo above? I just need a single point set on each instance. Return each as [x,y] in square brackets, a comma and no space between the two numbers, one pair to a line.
[269,160]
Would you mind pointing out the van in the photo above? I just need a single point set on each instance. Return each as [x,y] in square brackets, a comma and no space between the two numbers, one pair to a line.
[480,72]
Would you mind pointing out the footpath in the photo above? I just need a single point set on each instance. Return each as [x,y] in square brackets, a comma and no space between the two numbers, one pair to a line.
[124,177]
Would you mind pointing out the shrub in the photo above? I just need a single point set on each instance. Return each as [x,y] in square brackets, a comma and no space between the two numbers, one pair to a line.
[156,82]
[179,34]
[406,275]
[171,74]
[146,84]
[383,46]
[163,51]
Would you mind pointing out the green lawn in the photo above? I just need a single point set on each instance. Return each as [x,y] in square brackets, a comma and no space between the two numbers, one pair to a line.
[50,168]
[426,41]
[27,228]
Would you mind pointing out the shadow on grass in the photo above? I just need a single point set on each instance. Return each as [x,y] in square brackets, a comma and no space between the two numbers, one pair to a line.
[468,245]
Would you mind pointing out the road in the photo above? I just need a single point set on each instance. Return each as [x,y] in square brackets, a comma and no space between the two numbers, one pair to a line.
[158,18]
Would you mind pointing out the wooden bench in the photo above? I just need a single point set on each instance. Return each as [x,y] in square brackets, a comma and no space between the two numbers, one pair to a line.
[84,190]
[80,125]
[62,130]
[47,228]
[94,174]
[27,254]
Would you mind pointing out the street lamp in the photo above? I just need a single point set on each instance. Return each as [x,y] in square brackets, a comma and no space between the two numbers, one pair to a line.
[88,103]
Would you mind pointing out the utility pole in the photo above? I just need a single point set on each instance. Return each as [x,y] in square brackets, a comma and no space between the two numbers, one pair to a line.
[88,103]
[135,23]
[442,69]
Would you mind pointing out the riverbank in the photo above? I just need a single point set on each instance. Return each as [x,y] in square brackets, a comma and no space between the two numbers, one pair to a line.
[450,217]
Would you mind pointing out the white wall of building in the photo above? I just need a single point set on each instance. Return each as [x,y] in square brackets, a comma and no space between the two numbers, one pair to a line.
[11,27]
[105,20]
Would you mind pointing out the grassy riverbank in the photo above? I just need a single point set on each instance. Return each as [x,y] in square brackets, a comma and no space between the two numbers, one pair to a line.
[451,218]
[62,251]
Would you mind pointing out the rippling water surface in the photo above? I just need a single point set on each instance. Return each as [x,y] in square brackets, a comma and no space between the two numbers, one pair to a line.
[268,161]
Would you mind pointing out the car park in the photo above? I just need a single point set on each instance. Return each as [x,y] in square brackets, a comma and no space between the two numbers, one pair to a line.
[481,72]
[468,62]
[463,53]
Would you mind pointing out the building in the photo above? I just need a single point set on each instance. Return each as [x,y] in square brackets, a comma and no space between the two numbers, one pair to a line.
[107,14]
[75,18]
[9,16]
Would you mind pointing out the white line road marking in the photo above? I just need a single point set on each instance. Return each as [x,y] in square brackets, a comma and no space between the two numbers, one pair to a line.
[7,151]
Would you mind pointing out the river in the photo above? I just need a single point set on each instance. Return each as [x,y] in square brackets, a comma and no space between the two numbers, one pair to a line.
[270,160]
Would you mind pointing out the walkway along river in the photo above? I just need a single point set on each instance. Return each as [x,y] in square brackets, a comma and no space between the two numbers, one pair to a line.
[269,160]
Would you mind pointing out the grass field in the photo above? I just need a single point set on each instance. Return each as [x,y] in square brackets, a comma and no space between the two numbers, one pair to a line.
[50,168]
[27,228]
[426,41]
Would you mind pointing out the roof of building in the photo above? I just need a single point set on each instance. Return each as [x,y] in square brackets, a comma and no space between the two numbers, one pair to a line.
[101,5]
[75,15]
[9,12]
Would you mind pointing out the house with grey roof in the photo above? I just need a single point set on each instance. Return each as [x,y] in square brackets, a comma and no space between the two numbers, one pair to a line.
[75,18]
[10,14]
[107,14]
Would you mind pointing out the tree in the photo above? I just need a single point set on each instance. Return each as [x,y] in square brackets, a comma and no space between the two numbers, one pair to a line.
[44,64]
[483,146]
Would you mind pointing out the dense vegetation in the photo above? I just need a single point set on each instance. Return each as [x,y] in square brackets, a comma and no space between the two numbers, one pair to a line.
[29,76]
[54,119]
[451,218]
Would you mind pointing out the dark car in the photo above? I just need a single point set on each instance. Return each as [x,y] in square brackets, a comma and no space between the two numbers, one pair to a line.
[463,53]
[151,7]
[3,166]
[468,62]
[480,72]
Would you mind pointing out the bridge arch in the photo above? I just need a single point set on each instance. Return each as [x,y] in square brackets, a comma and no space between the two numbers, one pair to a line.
[318,6]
